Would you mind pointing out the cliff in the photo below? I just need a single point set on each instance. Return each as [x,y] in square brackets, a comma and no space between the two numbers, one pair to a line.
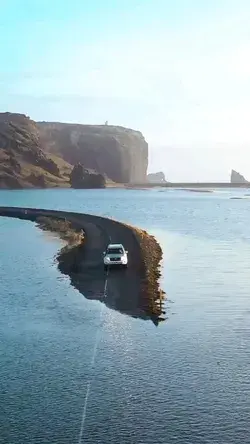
[120,153]
[156,177]
[23,163]
[43,154]
[237,177]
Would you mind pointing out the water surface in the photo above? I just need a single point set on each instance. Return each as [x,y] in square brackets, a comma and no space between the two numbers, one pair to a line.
[73,371]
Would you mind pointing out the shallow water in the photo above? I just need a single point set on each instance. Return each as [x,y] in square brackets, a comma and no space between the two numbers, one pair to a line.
[73,371]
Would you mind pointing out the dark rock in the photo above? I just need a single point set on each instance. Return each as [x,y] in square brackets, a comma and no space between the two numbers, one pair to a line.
[156,177]
[80,177]
[237,177]
[37,180]
[14,163]
[120,153]
[7,181]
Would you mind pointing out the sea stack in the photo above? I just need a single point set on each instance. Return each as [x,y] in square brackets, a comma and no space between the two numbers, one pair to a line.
[237,177]
[156,177]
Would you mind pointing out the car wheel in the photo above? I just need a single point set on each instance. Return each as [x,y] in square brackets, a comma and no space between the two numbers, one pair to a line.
[105,267]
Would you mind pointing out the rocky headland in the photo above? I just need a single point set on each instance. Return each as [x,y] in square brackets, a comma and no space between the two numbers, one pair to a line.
[43,154]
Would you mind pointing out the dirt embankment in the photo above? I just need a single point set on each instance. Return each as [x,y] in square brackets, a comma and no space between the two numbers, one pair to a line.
[134,291]
[63,228]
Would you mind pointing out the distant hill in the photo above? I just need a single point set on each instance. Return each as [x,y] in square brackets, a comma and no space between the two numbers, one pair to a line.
[43,154]
[120,153]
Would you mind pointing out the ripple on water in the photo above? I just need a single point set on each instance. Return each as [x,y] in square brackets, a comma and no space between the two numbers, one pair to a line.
[185,382]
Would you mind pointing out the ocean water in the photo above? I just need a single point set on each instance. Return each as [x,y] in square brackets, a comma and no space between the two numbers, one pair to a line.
[74,371]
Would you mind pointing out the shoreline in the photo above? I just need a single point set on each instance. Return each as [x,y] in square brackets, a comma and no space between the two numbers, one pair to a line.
[185,186]
[135,291]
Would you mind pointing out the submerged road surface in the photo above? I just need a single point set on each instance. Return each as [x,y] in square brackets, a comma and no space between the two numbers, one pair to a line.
[88,276]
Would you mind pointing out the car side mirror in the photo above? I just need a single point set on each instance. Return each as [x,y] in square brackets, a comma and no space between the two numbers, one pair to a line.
[104,253]
[126,251]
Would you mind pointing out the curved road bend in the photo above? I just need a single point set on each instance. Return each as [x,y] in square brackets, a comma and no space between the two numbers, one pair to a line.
[123,285]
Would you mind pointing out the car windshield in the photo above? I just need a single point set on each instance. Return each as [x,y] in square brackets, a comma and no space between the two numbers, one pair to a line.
[115,251]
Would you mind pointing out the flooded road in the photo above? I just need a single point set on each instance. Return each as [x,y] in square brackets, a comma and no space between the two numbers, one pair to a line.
[73,370]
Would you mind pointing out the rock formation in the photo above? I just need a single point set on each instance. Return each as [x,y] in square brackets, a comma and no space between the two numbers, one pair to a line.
[156,177]
[237,177]
[23,163]
[44,154]
[120,153]
[80,177]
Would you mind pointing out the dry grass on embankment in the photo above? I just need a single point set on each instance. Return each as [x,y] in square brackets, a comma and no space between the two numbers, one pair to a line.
[63,228]
[151,295]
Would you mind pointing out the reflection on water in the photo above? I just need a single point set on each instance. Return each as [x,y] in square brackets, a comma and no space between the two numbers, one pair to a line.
[119,289]
[185,382]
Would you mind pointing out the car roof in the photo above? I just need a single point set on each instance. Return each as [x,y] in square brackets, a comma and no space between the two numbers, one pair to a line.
[115,246]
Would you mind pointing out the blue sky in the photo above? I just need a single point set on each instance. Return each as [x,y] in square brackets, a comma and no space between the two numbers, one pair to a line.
[178,71]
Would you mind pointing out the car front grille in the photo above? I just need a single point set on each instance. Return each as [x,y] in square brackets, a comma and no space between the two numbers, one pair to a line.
[114,259]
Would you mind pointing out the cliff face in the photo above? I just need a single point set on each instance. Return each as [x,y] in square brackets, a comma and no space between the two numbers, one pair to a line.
[23,163]
[120,153]
[237,177]
[43,154]
[156,177]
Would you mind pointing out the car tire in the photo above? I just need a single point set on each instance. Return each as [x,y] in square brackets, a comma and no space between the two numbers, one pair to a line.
[105,267]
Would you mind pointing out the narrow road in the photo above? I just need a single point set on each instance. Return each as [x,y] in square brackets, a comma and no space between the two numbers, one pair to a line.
[90,277]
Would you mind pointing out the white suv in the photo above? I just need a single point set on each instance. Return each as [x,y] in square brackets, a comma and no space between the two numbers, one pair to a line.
[115,255]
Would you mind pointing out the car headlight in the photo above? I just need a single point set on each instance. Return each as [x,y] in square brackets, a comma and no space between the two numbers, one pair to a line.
[106,259]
